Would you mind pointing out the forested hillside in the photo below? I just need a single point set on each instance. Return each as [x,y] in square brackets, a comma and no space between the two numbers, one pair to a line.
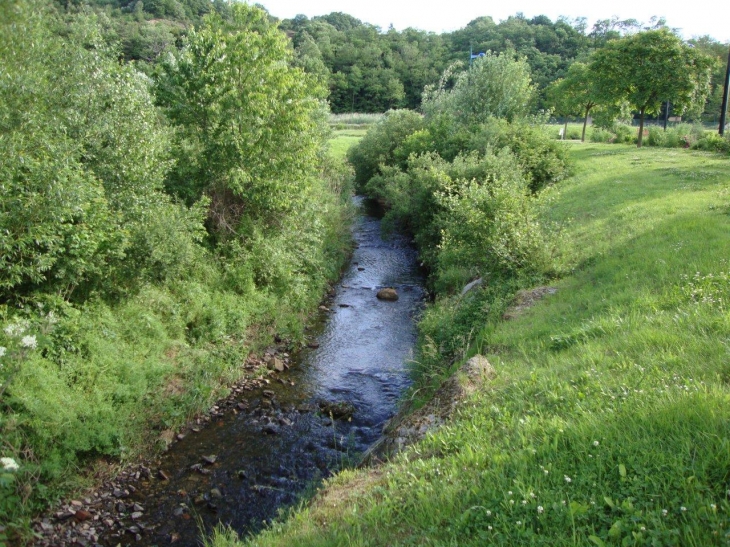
[369,69]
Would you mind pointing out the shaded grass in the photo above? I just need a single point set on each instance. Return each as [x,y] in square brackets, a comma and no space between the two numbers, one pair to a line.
[609,420]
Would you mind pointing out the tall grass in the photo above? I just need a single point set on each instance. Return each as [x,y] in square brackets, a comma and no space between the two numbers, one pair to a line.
[354,118]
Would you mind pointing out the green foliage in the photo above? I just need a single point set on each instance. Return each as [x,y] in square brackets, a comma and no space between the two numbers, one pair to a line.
[649,68]
[250,126]
[82,196]
[494,86]
[378,146]
[712,142]
[543,159]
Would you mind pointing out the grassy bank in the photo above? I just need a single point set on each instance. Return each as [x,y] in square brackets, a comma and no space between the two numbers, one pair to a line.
[608,420]
[343,139]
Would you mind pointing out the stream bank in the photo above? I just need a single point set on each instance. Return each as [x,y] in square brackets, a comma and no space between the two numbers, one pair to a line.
[267,445]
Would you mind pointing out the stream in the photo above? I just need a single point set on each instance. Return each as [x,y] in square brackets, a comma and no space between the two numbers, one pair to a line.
[241,469]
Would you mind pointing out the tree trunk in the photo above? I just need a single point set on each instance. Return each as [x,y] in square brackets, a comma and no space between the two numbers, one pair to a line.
[585,124]
[565,129]
[640,140]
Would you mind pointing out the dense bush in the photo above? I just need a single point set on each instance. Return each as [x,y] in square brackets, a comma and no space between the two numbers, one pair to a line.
[377,147]
[469,217]
[494,86]
[713,142]
[543,159]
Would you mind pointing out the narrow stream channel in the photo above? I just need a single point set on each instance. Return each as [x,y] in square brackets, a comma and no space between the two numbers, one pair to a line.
[268,454]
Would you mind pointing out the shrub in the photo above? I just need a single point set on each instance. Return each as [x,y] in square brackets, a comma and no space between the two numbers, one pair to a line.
[624,134]
[713,142]
[602,135]
[543,159]
[377,147]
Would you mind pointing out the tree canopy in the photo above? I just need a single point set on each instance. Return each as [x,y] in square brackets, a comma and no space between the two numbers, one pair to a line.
[650,68]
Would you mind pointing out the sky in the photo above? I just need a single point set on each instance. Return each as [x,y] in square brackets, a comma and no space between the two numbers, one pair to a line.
[692,18]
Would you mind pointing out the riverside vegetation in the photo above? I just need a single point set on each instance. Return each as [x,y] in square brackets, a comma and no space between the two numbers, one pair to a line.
[607,421]
[153,233]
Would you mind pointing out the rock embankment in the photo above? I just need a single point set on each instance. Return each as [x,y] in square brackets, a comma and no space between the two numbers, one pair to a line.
[407,428]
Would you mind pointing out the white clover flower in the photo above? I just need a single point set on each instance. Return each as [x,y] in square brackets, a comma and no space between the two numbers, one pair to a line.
[664,512]
[596,443]
[9,464]
[29,342]
[511,502]
[643,528]
[519,523]
[524,502]
[713,506]
[540,509]
[489,528]
[683,508]
[489,513]
[568,479]
[545,471]
[509,493]
[3,351]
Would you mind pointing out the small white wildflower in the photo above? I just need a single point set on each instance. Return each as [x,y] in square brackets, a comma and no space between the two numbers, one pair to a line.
[540,509]
[519,523]
[563,502]
[568,479]
[15,329]
[511,502]
[664,512]
[489,513]
[545,471]
[9,464]
[596,443]
[532,495]
[509,493]
[643,528]
[3,351]
[683,508]
[713,506]
[524,502]
[29,342]
[489,527]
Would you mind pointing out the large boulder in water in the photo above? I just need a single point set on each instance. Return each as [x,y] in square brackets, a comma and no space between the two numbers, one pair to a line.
[388,294]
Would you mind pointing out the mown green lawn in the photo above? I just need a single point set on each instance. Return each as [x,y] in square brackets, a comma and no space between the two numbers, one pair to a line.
[608,421]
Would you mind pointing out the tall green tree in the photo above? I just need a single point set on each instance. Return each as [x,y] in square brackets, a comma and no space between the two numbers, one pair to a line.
[248,126]
[650,68]
[494,86]
[575,94]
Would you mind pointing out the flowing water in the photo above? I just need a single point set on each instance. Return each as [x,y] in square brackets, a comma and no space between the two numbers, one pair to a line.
[283,442]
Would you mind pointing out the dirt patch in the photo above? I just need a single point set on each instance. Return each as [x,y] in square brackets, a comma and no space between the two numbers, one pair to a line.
[526,299]
[407,428]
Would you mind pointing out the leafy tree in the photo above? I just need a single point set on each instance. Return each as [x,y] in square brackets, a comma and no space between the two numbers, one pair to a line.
[248,132]
[650,68]
[496,85]
[82,207]
[575,94]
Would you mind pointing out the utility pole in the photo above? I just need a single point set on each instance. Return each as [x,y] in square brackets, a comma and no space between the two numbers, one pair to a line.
[723,110]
